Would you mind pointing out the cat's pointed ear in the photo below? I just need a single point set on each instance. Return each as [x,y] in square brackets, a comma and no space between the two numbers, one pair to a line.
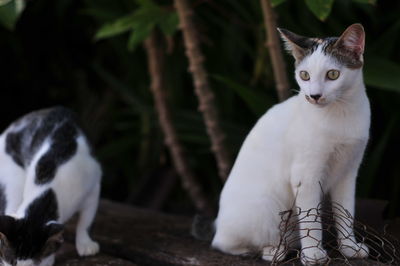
[4,241]
[352,40]
[55,239]
[296,44]
[5,248]
[7,224]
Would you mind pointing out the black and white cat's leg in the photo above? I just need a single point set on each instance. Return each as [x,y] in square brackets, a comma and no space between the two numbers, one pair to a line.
[48,261]
[307,190]
[343,196]
[84,244]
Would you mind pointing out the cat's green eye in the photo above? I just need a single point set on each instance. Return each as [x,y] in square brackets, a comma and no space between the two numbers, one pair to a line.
[333,74]
[304,75]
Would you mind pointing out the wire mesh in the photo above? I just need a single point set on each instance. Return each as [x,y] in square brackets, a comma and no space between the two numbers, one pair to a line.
[341,236]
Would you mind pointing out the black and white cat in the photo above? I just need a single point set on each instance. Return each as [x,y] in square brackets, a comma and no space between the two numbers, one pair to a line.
[47,174]
[313,140]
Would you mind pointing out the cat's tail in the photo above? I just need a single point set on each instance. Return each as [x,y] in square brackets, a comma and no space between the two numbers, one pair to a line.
[203,228]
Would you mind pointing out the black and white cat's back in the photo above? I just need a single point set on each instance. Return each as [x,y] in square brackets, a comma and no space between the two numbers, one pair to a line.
[20,142]
[56,126]
[47,173]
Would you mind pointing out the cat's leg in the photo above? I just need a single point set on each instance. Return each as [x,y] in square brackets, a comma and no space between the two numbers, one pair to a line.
[84,244]
[310,226]
[48,261]
[270,253]
[343,196]
[228,242]
[307,188]
[232,248]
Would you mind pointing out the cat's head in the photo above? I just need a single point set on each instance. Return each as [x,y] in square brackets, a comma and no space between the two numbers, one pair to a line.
[327,70]
[28,243]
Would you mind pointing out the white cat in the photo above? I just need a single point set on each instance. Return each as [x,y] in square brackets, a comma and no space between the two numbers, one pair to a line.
[47,174]
[312,140]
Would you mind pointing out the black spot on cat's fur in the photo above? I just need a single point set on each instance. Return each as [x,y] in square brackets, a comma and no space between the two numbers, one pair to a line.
[27,237]
[58,126]
[63,147]
[44,208]
[3,200]
[13,147]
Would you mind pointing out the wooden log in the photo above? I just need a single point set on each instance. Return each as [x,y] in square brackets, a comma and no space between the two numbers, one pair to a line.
[132,236]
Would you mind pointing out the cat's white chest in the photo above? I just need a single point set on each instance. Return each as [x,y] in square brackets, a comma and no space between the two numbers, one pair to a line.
[316,128]
[320,141]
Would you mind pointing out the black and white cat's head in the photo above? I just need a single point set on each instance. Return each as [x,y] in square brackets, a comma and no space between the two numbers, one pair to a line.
[23,243]
[327,69]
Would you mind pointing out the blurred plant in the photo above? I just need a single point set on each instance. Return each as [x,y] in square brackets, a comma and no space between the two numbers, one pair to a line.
[321,8]
[10,10]
[156,65]
[380,72]
[202,87]
[140,23]
[275,51]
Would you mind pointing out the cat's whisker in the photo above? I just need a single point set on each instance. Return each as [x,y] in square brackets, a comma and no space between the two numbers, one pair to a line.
[342,100]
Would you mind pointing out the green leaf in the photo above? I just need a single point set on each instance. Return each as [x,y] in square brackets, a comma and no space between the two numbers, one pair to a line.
[10,12]
[145,16]
[119,26]
[139,35]
[320,8]
[275,3]
[4,2]
[169,24]
[382,73]
[258,103]
[372,2]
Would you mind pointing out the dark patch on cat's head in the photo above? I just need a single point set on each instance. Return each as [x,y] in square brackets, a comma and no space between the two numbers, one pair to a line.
[299,46]
[21,240]
[346,49]
[35,236]
[7,254]
[3,200]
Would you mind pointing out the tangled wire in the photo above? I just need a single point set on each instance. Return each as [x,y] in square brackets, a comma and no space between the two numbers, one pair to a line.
[383,248]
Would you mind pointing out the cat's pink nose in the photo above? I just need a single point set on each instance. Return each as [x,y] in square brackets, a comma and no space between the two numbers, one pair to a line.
[316,96]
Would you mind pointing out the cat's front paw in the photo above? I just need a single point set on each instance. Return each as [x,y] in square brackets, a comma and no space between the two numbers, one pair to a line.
[354,250]
[49,261]
[313,256]
[87,248]
[271,253]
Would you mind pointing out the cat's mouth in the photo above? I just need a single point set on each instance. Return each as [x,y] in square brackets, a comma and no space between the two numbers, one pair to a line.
[320,102]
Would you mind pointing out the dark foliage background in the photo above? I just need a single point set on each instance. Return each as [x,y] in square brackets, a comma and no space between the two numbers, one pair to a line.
[52,56]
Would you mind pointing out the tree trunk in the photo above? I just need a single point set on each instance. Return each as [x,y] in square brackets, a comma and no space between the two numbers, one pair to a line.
[202,88]
[156,57]
[275,51]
